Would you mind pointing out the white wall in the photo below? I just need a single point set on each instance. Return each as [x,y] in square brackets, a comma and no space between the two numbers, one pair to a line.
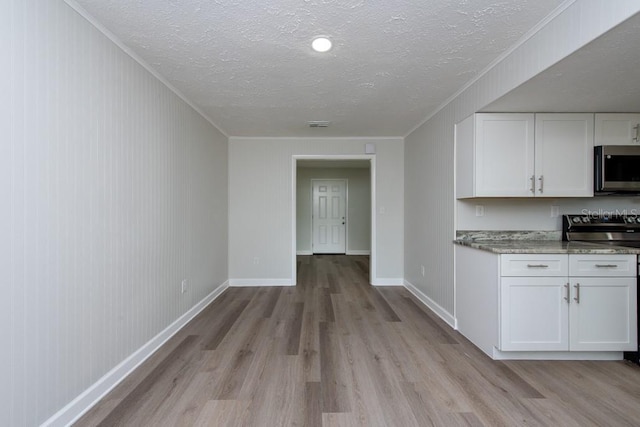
[113,191]
[359,206]
[260,209]
[429,150]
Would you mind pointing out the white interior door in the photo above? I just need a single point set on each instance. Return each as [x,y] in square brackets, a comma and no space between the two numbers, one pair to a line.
[329,216]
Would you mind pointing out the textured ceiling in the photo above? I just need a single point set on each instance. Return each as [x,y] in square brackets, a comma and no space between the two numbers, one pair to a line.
[249,66]
[603,76]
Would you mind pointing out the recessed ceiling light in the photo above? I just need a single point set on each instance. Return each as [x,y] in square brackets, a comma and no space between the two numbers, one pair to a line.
[321,44]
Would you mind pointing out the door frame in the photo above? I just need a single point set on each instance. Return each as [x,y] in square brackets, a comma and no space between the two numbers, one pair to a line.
[294,184]
[346,210]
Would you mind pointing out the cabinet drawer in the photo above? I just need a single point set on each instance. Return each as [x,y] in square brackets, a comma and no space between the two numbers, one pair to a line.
[534,265]
[602,265]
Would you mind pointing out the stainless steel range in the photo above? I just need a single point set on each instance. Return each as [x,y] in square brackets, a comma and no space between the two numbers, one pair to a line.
[608,229]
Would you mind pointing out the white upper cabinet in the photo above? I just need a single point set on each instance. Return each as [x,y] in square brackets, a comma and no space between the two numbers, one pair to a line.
[564,155]
[524,155]
[617,129]
[494,155]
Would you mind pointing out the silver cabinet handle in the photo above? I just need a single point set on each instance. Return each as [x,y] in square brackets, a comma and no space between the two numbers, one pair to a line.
[541,179]
[637,129]
[537,266]
[567,297]
[577,297]
[606,266]
[533,184]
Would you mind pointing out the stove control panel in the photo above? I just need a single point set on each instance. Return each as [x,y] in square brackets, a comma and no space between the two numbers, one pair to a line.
[600,223]
[601,220]
[579,219]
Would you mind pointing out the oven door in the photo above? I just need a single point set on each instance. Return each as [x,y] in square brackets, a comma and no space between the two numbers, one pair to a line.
[617,168]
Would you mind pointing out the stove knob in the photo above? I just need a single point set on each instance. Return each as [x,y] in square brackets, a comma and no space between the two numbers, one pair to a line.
[631,220]
[576,219]
[638,219]
[585,219]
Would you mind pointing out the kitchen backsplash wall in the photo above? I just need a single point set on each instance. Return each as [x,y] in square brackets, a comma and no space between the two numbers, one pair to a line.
[534,214]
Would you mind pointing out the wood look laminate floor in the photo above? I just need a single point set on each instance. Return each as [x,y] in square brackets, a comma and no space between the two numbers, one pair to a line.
[334,351]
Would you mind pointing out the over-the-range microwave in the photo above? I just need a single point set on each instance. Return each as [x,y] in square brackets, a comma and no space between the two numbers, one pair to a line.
[616,169]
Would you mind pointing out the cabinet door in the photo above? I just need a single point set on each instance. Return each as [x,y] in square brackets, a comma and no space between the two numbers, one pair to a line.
[504,156]
[603,314]
[534,314]
[617,129]
[564,155]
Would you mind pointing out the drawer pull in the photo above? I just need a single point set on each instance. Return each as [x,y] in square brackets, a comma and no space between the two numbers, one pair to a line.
[537,266]
[606,265]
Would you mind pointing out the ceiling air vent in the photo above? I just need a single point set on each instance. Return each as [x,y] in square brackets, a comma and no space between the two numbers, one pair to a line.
[318,124]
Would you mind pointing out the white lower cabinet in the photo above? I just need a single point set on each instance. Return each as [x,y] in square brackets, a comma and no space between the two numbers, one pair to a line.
[602,314]
[570,313]
[533,314]
[547,306]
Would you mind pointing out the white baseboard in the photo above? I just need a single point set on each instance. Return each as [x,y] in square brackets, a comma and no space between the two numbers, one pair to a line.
[349,252]
[260,282]
[556,355]
[81,404]
[431,304]
[358,252]
[385,281]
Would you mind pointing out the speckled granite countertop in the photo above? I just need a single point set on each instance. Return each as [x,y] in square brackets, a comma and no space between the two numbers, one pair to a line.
[537,242]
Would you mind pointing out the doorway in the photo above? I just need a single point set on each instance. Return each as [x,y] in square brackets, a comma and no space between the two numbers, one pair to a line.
[360,196]
[329,216]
